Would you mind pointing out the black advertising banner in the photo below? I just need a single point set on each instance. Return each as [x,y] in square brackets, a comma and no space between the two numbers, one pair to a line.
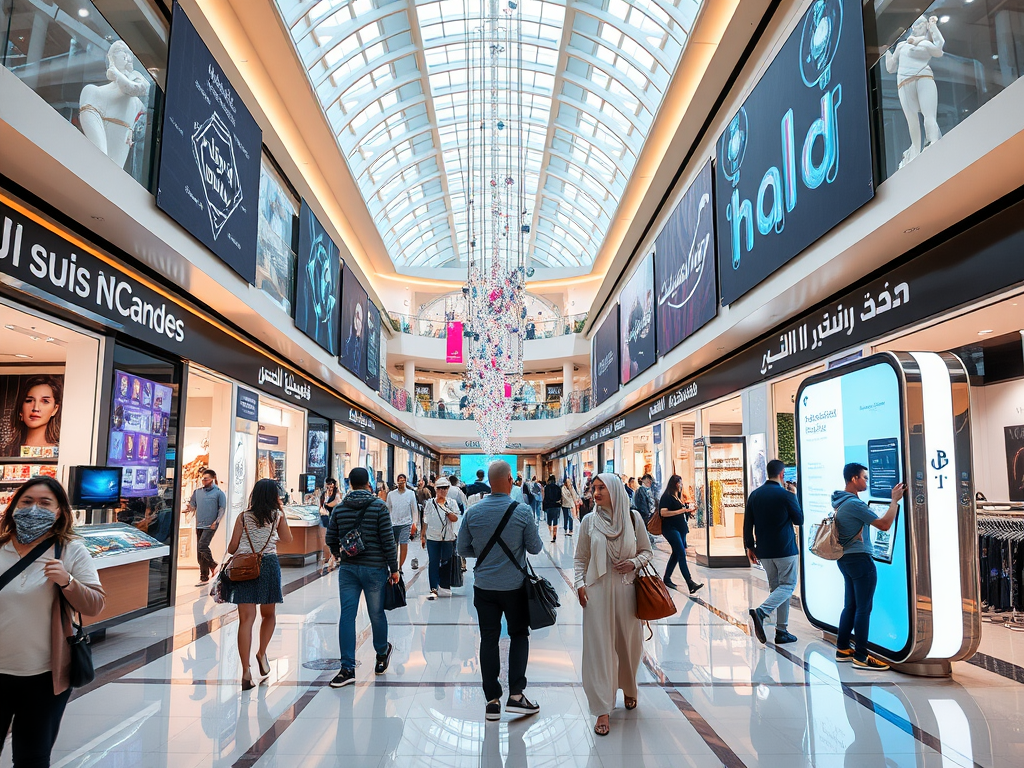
[637,351]
[372,377]
[604,355]
[1014,437]
[317,282]
[210,153]
[353,324]
[318,433]
[684,266]
[553,392]
[796,159]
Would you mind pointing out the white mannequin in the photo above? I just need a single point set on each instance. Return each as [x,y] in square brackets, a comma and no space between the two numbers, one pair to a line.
[916,82]
[107,113]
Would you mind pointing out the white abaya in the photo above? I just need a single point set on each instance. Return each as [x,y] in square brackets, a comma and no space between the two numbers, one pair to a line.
[612,635]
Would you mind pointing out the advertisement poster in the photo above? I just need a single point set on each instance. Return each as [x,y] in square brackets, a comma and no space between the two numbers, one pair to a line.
[317,446]
[684,266]
[353,324]
[637,352]
[854,416]
[795,160]
[210,155]
[372,377]
[1014,437]
[553,392]
[317,282]
[30,415]
[139,420]
[604,358]
[275,254]
[453,334]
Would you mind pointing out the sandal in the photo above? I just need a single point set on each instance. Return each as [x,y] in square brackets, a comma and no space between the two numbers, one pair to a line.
[602,729]
[630,702]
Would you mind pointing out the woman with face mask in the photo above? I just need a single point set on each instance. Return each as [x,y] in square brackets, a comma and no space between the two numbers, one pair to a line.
[45,574]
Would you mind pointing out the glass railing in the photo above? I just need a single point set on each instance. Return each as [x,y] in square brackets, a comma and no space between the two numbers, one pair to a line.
[938,68]
[101,82]
[577,401]
[536,329]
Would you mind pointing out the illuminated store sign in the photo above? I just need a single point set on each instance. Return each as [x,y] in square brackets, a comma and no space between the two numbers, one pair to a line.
[795,160]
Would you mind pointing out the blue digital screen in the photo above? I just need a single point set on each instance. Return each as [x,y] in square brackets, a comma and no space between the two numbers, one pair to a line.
[96,486]
[469,463]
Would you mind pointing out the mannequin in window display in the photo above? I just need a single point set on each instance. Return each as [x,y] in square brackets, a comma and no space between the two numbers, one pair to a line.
[107,113]
[910,61]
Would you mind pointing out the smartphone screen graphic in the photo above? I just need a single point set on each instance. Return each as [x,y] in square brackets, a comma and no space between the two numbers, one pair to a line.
[883,467]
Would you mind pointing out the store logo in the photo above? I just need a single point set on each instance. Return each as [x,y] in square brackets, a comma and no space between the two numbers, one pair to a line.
[214,154]
[619,424]
[285,381]
[360,419]
[941,461]
[682,395]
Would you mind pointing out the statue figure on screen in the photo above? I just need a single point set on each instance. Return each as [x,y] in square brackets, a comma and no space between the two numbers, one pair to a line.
[910,61]
[107,113]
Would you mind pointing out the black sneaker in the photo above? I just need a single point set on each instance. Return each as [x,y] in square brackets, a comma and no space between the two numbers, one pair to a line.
[521,706]
[781,638]
[343,678]
[383,660]
[493,710]
[757,625]
[694,586]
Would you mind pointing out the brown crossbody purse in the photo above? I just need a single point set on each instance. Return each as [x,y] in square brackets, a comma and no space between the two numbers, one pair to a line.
[246,566]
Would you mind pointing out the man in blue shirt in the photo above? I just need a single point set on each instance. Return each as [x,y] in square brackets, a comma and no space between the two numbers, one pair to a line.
[208,503]
[479,487]
[499,588]
[854,520]
[768,536]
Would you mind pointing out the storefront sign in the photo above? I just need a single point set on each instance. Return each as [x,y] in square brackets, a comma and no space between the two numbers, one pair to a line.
[353,324]
[210,153]
[285,381]
[247,404]
[795,160]
[265,439]
[317,282]
[684,266]
[361,420]
[637,350]
[453,334]
[604,356]
[372,377]
[553,392]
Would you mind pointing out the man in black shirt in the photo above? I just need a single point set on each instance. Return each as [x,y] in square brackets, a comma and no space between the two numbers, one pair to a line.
[479,486]
[772,511]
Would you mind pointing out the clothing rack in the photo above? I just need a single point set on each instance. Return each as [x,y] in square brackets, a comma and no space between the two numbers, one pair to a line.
[1006,525]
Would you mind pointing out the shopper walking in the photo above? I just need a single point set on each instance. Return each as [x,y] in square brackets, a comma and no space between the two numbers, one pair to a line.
[570,503]
[854,519]
[330,499]
[552,506]
[538,498]
[499,587]
[207,503]
[45,574]
[479,488]
[363,574]
[674,529]
[257,530]
[643,499]
[613,545]
[769,538]
[455,493]
[402,507]
[438,534]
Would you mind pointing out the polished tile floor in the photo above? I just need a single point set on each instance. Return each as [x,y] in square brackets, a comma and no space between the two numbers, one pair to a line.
[167,693]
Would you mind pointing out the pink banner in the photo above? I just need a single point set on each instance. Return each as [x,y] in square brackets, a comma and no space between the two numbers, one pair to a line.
[508,389]
[454,335]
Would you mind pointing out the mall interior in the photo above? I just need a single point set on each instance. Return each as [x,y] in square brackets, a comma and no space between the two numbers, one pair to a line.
[287,239]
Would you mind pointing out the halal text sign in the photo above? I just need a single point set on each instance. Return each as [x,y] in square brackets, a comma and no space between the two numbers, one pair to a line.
[795,160]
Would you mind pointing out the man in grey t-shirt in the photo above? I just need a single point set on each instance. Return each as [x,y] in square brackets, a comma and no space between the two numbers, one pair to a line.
[208,503]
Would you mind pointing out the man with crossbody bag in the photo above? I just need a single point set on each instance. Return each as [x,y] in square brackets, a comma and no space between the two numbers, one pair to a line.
[499,588]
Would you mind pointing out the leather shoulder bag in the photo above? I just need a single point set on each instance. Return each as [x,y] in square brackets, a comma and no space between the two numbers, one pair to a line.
[246,566]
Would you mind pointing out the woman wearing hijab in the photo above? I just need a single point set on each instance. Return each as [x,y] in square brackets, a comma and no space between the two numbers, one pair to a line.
[613,545]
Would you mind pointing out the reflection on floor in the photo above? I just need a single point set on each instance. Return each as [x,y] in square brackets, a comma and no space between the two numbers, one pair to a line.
[168,693]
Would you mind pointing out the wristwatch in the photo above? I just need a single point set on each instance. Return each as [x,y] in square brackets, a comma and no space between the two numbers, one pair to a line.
[70,580]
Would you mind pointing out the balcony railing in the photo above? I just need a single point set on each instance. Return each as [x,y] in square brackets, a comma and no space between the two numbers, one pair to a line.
[437,329]
[577,401]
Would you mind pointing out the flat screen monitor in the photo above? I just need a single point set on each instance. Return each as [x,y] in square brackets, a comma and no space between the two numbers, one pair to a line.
[469,463]
[95,486]
[307,482]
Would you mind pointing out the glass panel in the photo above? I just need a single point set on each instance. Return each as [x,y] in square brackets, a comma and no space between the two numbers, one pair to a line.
[101,65]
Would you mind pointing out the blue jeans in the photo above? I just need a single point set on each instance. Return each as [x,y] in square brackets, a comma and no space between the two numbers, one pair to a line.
[354,580]
[536,508]
[567,519]
[676,538]
[859,573]
[437,552]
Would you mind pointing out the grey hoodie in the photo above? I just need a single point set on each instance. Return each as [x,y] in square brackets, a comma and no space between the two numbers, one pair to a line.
[853,516]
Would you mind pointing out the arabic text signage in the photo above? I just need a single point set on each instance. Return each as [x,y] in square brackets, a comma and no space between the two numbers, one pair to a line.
[684,266]
[210,153]
[795,160]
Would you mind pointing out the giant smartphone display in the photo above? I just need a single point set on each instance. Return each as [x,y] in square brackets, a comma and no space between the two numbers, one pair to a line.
[855,416]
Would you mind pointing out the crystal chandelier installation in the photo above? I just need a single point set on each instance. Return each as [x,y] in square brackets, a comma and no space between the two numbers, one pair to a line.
[498,227]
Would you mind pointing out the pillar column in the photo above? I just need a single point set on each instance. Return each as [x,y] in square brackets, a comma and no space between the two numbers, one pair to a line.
[567,371]
[410,378]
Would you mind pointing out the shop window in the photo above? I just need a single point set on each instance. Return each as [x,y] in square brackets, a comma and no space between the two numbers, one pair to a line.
[277,243]
[939,67]
[101,64]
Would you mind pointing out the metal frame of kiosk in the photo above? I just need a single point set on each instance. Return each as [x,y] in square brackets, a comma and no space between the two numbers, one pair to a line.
[943,622]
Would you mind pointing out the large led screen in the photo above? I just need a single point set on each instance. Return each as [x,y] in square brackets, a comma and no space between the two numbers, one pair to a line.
[353,324]
[317,283]
[854,414]
[637,352]
[469,463]
[139,420]
[210,153]
[604,358]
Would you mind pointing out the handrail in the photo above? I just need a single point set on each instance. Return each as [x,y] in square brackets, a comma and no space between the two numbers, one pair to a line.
[437,329]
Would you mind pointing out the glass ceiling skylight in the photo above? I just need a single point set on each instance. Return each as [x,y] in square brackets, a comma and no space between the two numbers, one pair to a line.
[392,81]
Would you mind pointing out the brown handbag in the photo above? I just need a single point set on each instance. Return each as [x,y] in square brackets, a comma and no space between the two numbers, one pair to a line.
[654,524]
[246,566]
[653,600]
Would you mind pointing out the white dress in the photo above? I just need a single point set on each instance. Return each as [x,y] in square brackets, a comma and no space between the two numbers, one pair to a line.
[612,634]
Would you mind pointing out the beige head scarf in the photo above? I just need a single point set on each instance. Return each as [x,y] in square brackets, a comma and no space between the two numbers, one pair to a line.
[616,535]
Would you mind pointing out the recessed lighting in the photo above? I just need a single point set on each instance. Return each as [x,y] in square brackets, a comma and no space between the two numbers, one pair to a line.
[83,13]
[995,57]
[24,357]
[34,338]
[912,229]
[9,327]
[985,332]
[943,19]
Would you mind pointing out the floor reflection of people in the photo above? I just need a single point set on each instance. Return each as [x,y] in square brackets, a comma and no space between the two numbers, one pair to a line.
[490,754]
[767,701]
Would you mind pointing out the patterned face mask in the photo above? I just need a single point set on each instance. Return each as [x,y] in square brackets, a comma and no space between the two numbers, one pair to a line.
[32,522]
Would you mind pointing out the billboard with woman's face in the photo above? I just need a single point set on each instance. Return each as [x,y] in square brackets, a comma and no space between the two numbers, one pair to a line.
[30,415]
[353,324]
